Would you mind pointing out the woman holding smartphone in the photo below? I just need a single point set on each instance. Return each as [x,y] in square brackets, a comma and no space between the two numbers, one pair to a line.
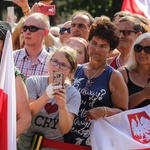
[53,110]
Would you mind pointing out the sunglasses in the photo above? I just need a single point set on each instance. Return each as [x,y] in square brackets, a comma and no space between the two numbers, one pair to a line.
[62,30]
[127,32]
[31,28]
[138,48]
[55,62]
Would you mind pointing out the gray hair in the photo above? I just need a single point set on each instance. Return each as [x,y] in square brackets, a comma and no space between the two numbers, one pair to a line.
[131,63]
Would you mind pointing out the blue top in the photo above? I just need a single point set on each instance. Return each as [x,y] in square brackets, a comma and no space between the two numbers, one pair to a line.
[93,94]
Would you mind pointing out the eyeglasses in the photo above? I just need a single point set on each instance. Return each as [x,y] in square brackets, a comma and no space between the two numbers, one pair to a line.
[62,30]
[138,48]
[31,28]
[62,65]
[127,32]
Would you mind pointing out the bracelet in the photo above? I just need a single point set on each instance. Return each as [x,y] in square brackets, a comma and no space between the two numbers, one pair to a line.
[105,111]
[26,11]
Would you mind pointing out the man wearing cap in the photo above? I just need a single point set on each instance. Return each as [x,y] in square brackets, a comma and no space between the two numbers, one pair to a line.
[23,114]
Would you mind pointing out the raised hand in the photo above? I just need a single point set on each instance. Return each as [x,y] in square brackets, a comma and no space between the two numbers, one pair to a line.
[21,3]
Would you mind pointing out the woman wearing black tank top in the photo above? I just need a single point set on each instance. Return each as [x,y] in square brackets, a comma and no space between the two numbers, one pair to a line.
[137,72]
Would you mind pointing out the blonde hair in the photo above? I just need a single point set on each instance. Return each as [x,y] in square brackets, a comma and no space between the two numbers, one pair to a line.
[131,64]
[16,35]
[84,43]
[71,56]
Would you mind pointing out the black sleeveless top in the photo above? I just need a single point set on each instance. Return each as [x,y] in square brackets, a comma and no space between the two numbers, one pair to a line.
[94,94]
[133,88]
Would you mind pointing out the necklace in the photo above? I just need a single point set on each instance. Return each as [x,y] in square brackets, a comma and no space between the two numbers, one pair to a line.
[89,78]
[89,82]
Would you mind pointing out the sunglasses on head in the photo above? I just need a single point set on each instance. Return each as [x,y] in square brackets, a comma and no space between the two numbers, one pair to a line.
[31,28]
[138,48]
[62,30]
[127,32]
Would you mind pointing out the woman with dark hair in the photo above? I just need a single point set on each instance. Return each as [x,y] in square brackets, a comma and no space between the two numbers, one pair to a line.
[102,88]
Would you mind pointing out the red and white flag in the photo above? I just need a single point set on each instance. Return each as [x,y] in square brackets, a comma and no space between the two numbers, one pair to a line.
[7,98]
[141,7]
[129,130]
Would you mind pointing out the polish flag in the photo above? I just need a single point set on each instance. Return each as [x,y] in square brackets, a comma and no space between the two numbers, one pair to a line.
[141,7]
[7,97]
[129,130]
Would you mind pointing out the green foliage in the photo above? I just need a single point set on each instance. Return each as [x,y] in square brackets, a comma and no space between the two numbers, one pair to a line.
[65,8]
[95,7]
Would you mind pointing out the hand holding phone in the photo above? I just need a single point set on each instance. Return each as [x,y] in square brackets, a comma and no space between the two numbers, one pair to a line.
[47,10]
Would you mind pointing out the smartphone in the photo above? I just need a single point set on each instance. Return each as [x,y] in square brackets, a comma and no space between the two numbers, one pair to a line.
[49,10]
[58,78]
[11,14]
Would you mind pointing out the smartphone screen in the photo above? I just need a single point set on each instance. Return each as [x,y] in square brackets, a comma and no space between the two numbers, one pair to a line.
[58,78]
[47,10]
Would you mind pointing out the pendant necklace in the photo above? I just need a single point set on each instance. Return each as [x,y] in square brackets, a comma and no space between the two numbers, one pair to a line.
[89,78]
[89,83]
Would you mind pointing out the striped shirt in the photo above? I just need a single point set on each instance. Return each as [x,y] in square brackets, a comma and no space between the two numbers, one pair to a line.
[23,62]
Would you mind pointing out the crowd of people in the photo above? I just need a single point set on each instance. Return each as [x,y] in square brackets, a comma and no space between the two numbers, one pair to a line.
[105,66]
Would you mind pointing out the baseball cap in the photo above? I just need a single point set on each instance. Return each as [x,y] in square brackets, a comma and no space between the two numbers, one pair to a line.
[4,27]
